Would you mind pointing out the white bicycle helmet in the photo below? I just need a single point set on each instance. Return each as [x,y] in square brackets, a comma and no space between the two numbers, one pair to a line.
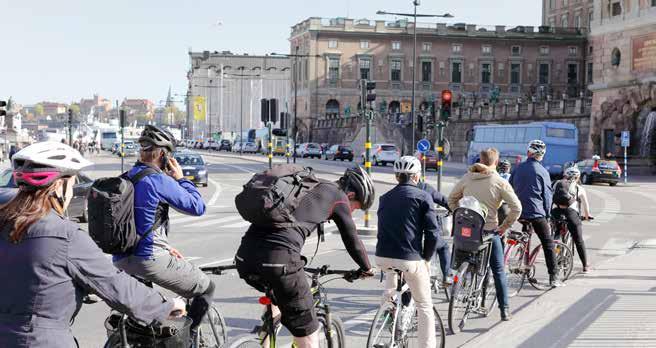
[40,164]
[572,173]
[537,147]
[407,165]
[596,157]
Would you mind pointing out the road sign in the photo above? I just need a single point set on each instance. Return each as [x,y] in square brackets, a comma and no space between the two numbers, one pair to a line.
[626,139]
[423,145]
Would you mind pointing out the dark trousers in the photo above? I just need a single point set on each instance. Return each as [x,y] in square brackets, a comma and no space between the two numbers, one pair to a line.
[498,272]
[445,259]
[575,230]
[541,228]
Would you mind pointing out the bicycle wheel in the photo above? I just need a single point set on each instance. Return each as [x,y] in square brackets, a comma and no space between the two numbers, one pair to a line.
[489,294]
[212,332]
[461,303]
[407,335]
[244,341]
[381,333]
[515,269]
[333,338]
[538,274]
[564,259]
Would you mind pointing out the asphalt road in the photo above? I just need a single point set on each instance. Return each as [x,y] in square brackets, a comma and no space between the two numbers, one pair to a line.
[623,217]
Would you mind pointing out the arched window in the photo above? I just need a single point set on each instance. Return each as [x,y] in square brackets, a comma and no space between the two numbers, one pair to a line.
[615,57]
[332,109]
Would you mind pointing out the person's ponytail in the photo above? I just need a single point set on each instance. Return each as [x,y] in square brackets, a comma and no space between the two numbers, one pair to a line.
[26,208]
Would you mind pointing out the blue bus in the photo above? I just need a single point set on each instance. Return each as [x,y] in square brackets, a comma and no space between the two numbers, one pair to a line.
[511,141]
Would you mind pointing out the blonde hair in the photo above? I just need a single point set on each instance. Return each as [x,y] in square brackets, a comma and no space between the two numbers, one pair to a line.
[489,156]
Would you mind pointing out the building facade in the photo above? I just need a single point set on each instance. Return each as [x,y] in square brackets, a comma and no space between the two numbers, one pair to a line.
[519,62]
[96,106]
[53,109]
[232,86]
[568,13]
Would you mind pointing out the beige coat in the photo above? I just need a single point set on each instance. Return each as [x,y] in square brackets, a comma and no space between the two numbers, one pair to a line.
[485,184]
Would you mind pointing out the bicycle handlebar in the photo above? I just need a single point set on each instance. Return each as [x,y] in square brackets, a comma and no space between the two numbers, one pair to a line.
[348,275]
[218,270]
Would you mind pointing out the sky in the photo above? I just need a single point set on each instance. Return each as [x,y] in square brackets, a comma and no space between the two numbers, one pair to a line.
[65,50]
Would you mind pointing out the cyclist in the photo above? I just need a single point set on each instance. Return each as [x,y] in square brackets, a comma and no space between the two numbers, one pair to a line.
[443,249]
[504,169]
[483,183]
[574,212]
[154,259]
[408,236]
[270,257]
[532,184]
[49,264]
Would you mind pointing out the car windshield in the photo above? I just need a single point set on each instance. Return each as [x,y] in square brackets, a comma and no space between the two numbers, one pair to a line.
[608,164]
[6,179]
[312,146]
[388,148]
[189,160]
[345,148]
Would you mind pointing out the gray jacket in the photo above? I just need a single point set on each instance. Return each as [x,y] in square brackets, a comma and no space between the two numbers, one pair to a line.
[45,276]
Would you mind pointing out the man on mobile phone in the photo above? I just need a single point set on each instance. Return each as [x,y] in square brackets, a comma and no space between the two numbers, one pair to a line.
[154,259]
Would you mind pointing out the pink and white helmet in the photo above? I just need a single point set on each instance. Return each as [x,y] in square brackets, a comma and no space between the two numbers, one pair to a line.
[40,164]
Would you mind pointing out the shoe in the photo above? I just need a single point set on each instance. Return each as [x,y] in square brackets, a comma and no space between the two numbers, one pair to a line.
[505,314]
[586,269]
[554,282]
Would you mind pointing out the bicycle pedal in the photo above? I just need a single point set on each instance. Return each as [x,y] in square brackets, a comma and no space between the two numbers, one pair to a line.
[532,280]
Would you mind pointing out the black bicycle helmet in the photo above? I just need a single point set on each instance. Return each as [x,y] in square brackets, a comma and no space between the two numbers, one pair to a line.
[156,136]
[358,181]
[504,166]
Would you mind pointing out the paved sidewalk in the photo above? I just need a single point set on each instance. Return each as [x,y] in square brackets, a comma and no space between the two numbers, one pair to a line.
[612,306]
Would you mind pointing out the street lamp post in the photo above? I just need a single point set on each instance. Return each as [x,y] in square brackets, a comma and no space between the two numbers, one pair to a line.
[414,15]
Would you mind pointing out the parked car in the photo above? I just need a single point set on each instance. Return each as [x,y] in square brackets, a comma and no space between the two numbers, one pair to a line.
[130,149]
[598,170]
[225,145]
[381,154]
[250,147]
[312,150]
[430,157]
[193,167]
[78,207]
[236,146]
[339,152]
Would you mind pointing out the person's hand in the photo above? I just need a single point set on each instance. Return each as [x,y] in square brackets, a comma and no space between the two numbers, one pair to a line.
[176,253]
[501,231]
[174,169]
[368,273]
[179,308]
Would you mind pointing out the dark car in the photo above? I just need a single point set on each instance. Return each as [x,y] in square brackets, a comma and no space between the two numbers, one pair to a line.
[225,145]
[77,208]
[598,170]
[193,167]
[430,159]
[339,152]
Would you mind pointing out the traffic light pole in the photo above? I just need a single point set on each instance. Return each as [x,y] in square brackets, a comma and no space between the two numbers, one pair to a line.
[70,127]
[270,146]
[440,153]
[121,115]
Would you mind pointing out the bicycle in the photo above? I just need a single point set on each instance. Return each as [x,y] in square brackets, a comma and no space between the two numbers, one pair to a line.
[395,322]
[520,260]
[438,283]
[331,328]
[212,331]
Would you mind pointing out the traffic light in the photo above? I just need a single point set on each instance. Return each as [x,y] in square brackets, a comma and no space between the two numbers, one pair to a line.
[420,122]
[446,104]
[371,91]
[121,117]
[279,132]
[3,105]
[273,110]
[264,103]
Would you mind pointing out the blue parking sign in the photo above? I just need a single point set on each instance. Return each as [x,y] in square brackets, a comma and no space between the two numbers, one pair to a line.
[626,139]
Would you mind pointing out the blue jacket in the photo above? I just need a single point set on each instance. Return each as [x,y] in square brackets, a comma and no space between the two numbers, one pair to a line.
[407,224]
[182,195]
[532,185]
[438,197]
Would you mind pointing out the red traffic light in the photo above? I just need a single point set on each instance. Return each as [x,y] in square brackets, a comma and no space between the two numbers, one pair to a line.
[446,95]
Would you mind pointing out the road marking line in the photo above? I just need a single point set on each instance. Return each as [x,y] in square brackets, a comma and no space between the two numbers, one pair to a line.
[215,262]
[216,194]
[238,225]
[215,221]
[191,218]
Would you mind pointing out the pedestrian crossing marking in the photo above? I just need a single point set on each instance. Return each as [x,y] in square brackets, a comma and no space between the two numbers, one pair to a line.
[238,225]
[215,221]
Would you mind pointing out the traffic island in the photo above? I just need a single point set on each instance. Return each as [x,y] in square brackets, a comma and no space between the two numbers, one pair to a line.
[367,231]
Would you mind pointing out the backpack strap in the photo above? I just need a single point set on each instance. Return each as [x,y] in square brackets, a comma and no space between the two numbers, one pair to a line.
[161,213]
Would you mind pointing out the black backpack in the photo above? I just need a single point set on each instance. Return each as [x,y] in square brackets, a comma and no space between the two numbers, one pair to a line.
[561,194]
[270,198]
[111,213]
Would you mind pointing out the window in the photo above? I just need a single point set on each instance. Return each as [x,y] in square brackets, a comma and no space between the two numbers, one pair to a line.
[616,9]
[332,43]
[590,18]
[365,69]
[552,22]
[515,73]
[456,48]
[552,4]
[589,77]
[563,21]
[543,73]
[560,133]
[616,57]
[426,71]
[590,50]
[653,3]
[515,50]
[532,134]
[364,44]
[396,45]
[511,133]
[442,69]
[456,72]
[544,50]
[564,3]
[501,69]
[486,73]
[572,51]
[333,69]
[521,135]
[572,74]
[577,21]
[426,46]
[486,49]
[395,70]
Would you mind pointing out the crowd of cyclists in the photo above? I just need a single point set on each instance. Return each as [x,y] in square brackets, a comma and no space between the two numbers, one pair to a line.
[50,264]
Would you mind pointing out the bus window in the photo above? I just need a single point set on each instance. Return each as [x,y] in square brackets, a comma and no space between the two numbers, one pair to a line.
[488,135]
[560,133]
[532,134]
[511,134]
[478,134]
[499,135]
[521,135]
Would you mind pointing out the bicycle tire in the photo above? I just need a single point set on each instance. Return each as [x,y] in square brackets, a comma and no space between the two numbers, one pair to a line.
[382,323]
[489,293]
[439,331]
[213,329]
[564,259]
[243,341]
[336,337]
[460,293]
[515,268]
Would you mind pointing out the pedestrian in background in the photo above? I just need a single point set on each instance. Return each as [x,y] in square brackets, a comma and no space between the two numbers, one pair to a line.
[12,151]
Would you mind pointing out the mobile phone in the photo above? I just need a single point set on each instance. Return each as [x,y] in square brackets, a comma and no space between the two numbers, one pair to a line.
[165,162]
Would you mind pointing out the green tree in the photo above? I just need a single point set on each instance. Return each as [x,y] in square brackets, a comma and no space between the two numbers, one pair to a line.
[38,109]
[75,108]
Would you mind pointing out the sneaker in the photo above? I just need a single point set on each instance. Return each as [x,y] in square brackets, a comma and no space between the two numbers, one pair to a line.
[586,269]
[554,282]
[505,314]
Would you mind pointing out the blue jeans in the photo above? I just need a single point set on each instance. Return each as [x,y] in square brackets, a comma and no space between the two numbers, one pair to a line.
[498,272]
[445,259]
